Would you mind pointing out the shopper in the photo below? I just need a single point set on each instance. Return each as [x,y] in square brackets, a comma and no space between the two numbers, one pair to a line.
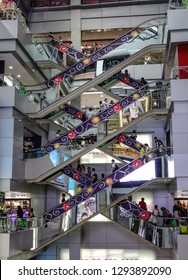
[31,213]
[19,212]
[159,144]
[63,197]
[88,174]
[114,166]
[134,135]
[143,204]
[134,110]
[155,215]
[105,104]
[90,113]
[94,175]
[51,38]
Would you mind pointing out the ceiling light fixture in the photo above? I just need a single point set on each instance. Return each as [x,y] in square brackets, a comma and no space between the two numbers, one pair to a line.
[10,67]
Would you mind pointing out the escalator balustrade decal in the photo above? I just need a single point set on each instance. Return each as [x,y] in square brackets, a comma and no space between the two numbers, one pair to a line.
[93,189]
[128,80]
[124,79]
[135,210]
[126,38]
[70,51]
[102,116]
[73,112]
[79,177]
[130,142]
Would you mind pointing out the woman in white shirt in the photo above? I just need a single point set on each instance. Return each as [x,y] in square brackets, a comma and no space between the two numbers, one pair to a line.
[134,110]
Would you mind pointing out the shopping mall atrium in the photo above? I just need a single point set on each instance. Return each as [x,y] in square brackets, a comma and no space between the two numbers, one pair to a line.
[93,130]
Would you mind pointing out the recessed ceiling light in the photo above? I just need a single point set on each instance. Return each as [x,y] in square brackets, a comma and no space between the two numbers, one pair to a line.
[19,76]
[10,67]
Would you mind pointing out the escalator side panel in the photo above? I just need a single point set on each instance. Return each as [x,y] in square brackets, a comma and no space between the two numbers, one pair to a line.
[73,111]
[130,142]
[76,175]
[135,210]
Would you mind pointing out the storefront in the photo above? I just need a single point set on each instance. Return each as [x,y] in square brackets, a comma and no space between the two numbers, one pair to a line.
[13,199]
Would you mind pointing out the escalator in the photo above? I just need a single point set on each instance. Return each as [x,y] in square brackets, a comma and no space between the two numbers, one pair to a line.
[104,76]
[62,141]
[85,181]
[52,172]
[95,56]
[100,117]
[124,170]
[132,218]
[97,189]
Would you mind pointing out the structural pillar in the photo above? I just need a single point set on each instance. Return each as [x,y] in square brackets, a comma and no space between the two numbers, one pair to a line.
[76,25]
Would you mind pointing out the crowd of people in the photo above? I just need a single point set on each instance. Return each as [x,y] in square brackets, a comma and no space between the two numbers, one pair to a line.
[180,210]
[91,173]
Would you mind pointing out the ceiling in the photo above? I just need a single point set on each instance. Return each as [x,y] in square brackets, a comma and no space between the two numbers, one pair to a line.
[17,69]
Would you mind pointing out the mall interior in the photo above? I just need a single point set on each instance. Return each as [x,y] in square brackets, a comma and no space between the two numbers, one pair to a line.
[83,83]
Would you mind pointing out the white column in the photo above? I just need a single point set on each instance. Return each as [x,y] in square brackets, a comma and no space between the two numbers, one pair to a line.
[76,25]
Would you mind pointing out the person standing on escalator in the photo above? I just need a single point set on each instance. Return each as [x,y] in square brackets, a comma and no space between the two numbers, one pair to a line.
[143,204]
[114,166]
[134,110]
[51,38]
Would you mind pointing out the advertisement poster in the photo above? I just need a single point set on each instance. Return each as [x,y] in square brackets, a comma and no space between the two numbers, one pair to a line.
[86,209]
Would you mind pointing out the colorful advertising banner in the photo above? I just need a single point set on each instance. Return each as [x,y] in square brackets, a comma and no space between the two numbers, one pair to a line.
[86,209]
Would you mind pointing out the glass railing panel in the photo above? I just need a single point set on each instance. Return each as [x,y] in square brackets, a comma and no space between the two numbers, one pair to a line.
[53,54]
[10,80]
[38,52]
[143,39]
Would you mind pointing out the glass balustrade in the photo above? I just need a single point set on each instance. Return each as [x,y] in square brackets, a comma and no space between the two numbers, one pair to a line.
[10,80]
